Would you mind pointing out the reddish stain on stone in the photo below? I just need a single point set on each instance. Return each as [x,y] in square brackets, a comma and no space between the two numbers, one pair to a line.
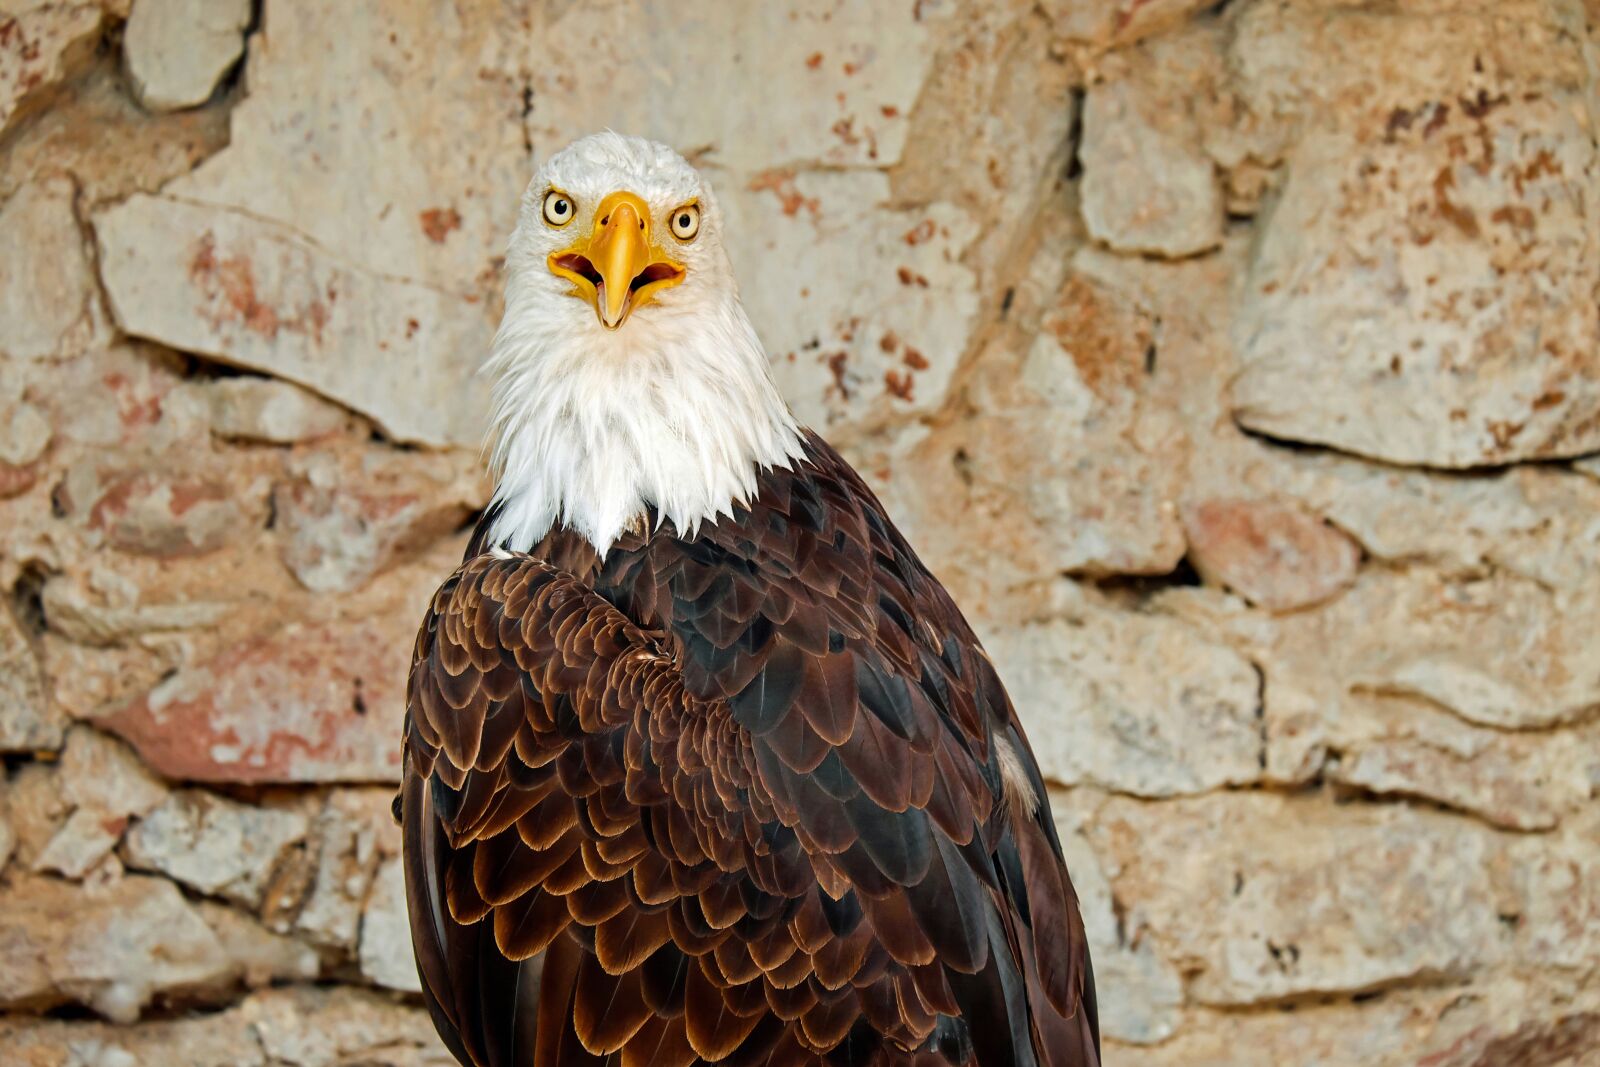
[1458,215]
[154,515]
[295,706]
[135,409]
[1126,16]
[814,60]
[317,317]
[1107,340]
[780,182]
[1441,115]
[1480,105]
[1399,119]
[203,261]
[439,222]
[836,365]
[919,233]
[239,283]
[15,479]
[1517,217]
[1504,432]
[1272,554]
[899,385]
[187,494]
[231,283]
[1548,399]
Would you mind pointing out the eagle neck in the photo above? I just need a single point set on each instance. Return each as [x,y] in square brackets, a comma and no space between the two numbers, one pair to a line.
[592,429]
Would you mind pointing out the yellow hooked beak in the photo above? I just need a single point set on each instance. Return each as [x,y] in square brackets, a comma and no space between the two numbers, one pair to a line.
[616,268]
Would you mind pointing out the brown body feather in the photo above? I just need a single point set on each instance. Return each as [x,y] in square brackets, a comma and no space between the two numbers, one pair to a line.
[745,798]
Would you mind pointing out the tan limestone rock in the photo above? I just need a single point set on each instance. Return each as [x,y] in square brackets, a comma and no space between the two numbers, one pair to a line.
[41,44]
[259,956]
[1417,293]
[48,304]
[1142,112]
[160,509]
[1261,898]
[214,845]
[102,786]
[294,1027]
[350,837]
[111,947]
[265,409]
[881,339]
[260,295]
[385,950]
[313,693]
[1132,702]
[1140,994]
[851,74]
[1091,27]
[1067,466]
[345,516]
[178,50]
[29,719]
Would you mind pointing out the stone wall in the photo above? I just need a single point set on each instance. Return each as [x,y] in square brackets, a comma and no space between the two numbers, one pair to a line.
[1236,364]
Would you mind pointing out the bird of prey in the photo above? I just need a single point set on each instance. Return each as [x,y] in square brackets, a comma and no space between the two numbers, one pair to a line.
[702,765]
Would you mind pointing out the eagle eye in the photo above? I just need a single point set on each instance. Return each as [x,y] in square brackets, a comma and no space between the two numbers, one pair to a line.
[685,224]
[558,208]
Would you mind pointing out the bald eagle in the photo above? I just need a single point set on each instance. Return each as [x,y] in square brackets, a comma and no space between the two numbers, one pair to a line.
[702,765]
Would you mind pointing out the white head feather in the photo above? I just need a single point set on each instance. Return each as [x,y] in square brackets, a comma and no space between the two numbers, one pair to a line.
[675,409]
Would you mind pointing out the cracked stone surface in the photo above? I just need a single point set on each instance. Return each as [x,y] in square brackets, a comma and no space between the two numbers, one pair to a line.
[101,787]
[260,295]
[110,947]
[1141,704]
[213,845]
[1358,900]
[1416,294]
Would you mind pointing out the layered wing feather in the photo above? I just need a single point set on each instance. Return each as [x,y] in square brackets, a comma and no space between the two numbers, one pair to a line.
[767,822]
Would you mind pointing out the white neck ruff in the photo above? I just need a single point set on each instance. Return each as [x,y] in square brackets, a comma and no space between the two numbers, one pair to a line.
[676,410]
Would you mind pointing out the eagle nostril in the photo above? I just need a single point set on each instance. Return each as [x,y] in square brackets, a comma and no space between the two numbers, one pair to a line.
[605,220]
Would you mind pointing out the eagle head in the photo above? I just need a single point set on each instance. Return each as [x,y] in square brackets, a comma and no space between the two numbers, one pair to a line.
[614,225]
[629,383]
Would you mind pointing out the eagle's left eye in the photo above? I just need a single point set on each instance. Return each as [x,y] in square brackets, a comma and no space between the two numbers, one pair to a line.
[686,222]
[558,210]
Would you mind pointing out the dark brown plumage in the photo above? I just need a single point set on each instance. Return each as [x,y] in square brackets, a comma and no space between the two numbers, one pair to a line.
[744,797]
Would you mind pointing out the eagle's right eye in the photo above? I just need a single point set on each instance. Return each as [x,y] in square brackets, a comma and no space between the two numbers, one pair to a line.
[558,209]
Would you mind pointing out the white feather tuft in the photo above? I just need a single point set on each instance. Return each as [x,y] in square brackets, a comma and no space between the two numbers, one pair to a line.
[676,409]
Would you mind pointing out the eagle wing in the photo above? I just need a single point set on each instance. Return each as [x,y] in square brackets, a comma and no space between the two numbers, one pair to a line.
[797,819]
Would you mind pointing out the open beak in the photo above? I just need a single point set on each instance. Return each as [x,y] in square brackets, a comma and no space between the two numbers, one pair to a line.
[617,268]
